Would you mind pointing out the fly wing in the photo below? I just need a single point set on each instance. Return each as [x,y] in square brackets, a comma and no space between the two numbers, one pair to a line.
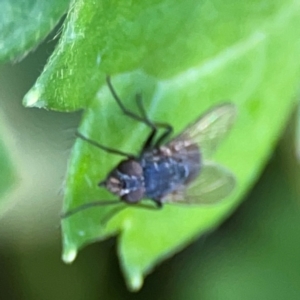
[209,130]
[213,184]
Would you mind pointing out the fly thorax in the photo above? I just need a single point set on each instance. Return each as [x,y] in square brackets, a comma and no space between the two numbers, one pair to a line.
[165,151]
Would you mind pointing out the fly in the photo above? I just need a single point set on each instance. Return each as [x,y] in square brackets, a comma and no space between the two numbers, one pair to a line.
[177,170]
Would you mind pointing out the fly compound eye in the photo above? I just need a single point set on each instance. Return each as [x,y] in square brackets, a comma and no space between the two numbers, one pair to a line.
[134,196]
[130,167]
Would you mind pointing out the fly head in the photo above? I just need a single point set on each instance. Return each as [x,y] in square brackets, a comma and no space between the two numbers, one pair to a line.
[126,181]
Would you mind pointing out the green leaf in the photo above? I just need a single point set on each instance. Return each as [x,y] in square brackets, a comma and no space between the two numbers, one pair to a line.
[25,23]
[184,57]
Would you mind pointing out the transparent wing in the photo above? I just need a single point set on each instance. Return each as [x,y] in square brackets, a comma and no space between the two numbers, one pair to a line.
[213,184]
[209,130]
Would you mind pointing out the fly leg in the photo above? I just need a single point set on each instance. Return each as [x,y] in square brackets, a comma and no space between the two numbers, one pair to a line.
[149,143]
[107,149]
[144,119]
[126,111]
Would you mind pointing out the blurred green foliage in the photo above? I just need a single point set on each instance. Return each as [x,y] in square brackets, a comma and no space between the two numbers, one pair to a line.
[247,53]
[7,174]
[25,23]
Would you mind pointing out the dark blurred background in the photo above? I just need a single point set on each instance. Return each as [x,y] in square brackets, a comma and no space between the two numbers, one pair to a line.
[254,254]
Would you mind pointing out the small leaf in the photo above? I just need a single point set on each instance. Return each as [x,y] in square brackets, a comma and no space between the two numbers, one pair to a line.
[25,23]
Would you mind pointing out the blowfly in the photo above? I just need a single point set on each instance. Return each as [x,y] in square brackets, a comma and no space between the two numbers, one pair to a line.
[176,170]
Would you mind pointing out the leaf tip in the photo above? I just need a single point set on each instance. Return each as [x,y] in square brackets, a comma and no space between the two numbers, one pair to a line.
[32,98]
[69,255]
[135,281]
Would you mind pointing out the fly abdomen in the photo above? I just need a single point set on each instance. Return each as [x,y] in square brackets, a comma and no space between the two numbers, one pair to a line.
[162,176]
